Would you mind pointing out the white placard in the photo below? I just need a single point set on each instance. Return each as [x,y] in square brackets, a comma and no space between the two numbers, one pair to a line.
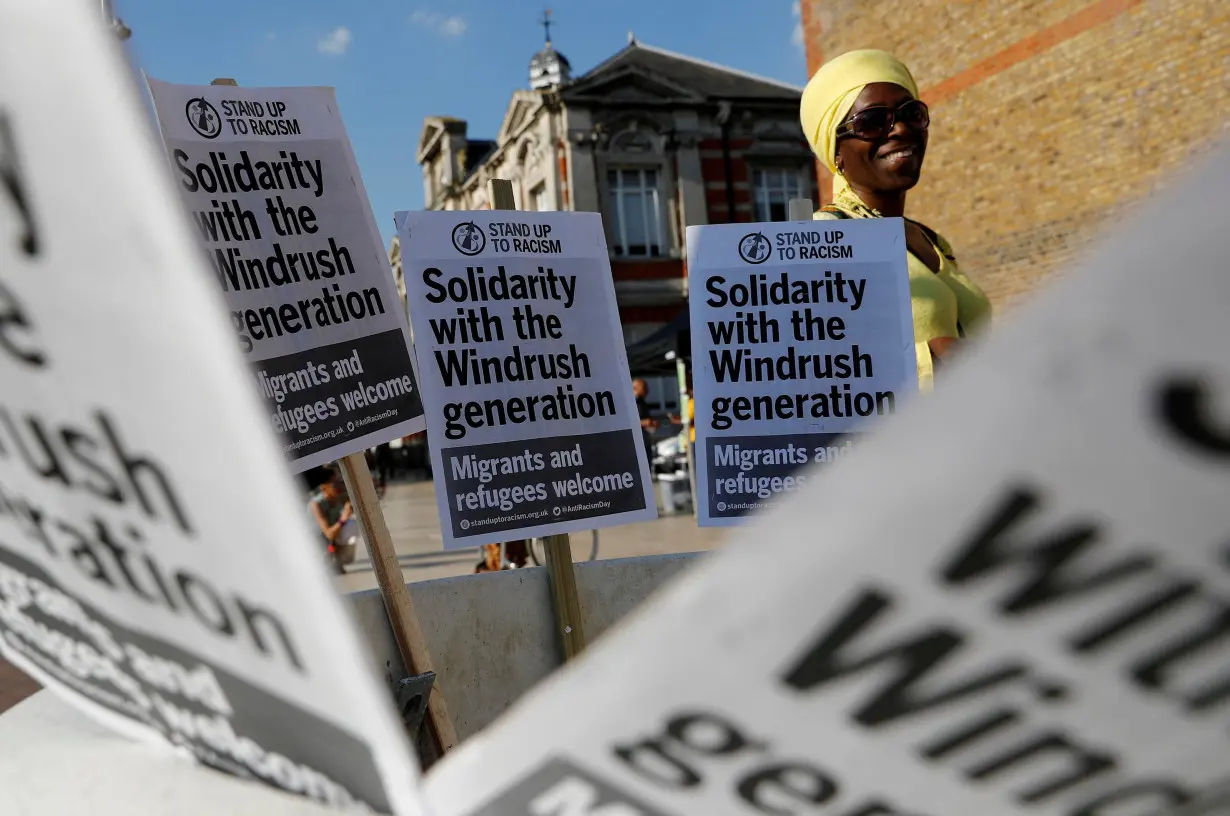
[1014,601]
[272,187]
[157,567]
[802,333]
[532,422]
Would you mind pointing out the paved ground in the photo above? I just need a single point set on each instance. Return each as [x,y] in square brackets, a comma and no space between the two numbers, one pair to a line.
[410,510]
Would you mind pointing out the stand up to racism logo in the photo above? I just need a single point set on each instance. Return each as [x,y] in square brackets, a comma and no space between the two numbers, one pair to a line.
[203,117]
[755,248]
[468,239]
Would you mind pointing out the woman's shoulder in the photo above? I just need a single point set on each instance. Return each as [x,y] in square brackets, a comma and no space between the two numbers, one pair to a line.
[940,241]
[830,212]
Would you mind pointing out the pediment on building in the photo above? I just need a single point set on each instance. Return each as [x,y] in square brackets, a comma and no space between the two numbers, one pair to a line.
[775,130]
[695,77]
[428,139]
[434,130]
[521,111]
[629,84]
[777,138]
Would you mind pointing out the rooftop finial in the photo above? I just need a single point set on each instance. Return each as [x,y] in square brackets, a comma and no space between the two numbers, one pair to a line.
[546,24]
[631,38]
[548,68]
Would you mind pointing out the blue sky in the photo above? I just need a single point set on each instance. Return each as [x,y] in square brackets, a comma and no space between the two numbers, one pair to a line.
[394,62]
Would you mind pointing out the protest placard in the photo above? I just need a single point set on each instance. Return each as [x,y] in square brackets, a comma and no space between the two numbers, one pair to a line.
[157,567]
[273,189]
[802,333]
[533,425]
[1013,601]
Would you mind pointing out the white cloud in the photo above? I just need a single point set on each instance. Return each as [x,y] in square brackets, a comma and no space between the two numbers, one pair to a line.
[796,36]
[336,42]
[444,26]
[453,26]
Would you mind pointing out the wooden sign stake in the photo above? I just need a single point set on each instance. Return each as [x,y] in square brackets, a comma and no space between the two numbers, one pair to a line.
[407,632]
[800,209]
[565,603]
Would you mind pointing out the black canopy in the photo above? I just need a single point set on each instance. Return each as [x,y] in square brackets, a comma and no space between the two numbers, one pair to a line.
[647,357]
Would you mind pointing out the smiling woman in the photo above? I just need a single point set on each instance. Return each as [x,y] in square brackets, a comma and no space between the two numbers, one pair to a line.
[864,121]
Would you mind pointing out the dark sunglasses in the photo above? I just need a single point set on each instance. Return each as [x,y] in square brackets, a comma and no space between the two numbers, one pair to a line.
[877,122]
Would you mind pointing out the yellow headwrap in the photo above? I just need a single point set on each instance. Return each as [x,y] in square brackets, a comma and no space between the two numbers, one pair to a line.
[830,94]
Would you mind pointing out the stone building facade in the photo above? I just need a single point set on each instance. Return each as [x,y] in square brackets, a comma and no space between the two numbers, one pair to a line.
[653,140]
[1049,117]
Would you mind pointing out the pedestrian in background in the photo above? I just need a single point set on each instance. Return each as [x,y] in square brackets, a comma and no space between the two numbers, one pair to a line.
[330,508]
[863,118]
[640,389]
[384,467]
[678,419]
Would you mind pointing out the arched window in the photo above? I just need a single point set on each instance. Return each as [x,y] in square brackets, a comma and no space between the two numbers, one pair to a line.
[634,192]
[635,212]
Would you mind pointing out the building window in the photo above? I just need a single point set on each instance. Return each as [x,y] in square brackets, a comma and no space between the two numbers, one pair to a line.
[636,218]
[538,198]
[773,188]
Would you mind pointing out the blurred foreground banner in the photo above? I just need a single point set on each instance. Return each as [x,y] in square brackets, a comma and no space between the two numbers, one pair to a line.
[1015,601]
[157,569]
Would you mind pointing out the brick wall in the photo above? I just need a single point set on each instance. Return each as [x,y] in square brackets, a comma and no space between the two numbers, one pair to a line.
[713,169]
[1050,117]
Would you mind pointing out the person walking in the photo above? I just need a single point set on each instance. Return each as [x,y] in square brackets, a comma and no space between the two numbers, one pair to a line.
[384,468]
[677,419]
[640,389]
[864,120]
[330,507]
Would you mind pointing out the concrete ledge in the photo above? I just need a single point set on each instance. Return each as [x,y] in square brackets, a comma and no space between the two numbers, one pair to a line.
[54,759]
[492,636]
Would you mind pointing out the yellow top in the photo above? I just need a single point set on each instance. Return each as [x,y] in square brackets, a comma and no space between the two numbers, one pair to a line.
[945,303]
[692,417]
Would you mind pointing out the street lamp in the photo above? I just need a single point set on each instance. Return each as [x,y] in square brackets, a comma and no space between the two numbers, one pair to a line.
[115,23]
